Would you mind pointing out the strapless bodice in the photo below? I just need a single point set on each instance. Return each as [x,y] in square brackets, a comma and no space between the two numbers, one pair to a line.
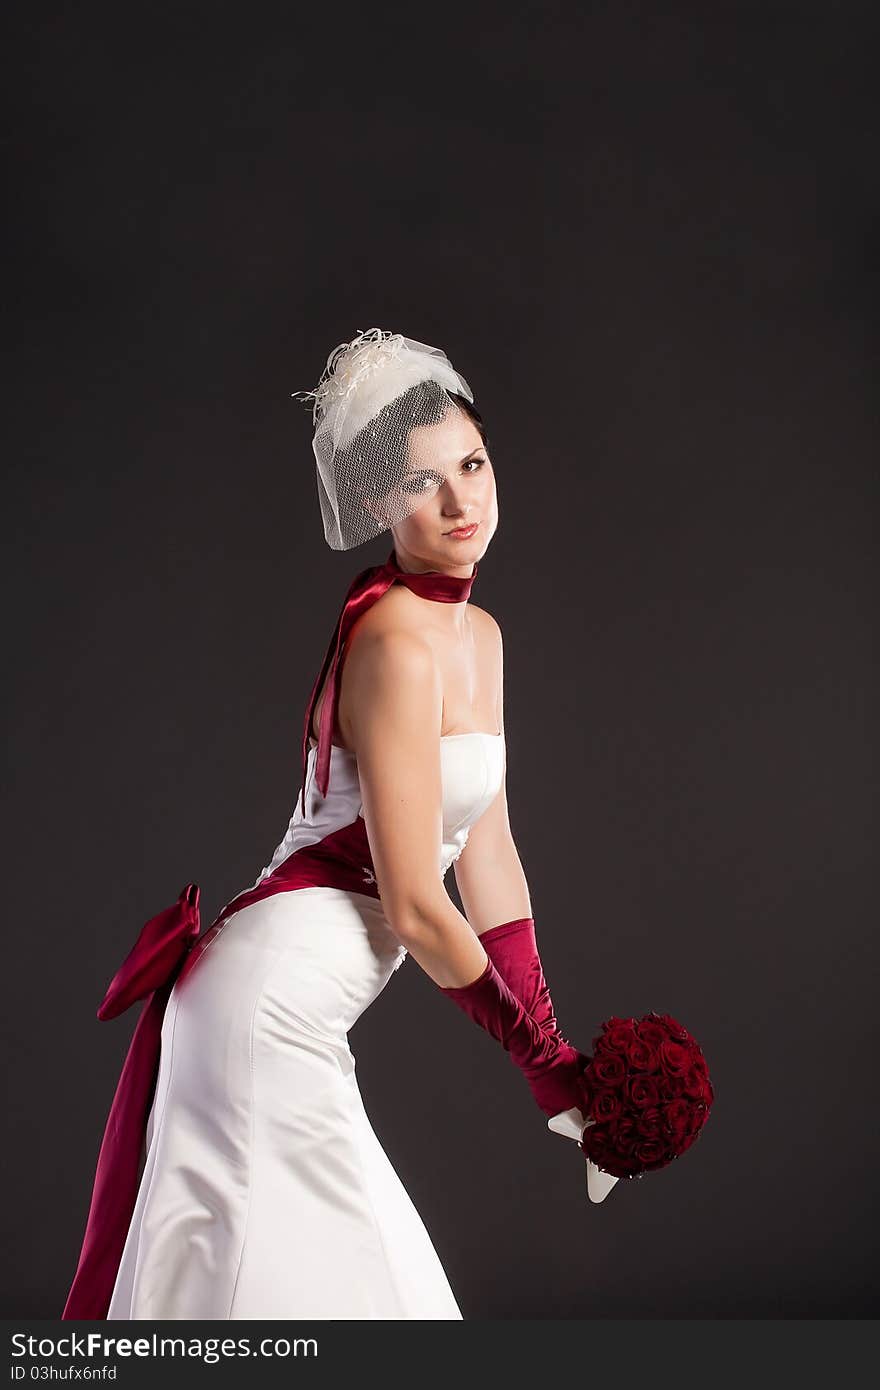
[472,770]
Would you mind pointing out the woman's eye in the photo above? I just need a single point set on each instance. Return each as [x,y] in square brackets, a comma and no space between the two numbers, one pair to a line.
[422,482]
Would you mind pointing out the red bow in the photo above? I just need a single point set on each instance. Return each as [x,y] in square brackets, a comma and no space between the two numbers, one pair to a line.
[148,972]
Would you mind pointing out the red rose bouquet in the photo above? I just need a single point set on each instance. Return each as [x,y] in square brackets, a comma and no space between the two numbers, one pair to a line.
[647,1096]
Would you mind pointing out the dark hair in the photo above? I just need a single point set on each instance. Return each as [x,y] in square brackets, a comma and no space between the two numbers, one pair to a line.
[471,410]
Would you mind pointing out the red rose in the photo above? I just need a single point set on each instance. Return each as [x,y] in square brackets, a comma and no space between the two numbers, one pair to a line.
[626,1135]
[642,1091]
[675,1087]
[699,1116]
[698,1062]
[650,1123]
[640,1056]
[676,1116]
[675,1029]
[625,1167]
[606,1106]
[597,1143]
[650,1152]
[674,1058]
[607,1070]
[601,1150]
[693,1084]
[617,1036]
[652,1032]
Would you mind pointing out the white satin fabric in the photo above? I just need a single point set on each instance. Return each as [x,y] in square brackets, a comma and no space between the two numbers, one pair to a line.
[471,767]
[266,1193]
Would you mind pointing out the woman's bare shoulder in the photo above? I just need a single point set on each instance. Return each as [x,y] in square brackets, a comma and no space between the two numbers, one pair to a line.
[393,611]
[486,623]
[398,610]
[387,656]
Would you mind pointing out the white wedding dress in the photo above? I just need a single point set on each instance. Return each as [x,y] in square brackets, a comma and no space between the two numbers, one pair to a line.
[266,1192]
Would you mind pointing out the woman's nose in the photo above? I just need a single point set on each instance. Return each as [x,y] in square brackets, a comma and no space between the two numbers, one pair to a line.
[455,503]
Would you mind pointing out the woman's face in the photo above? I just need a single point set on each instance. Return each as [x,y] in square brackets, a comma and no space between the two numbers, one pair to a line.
[451,463]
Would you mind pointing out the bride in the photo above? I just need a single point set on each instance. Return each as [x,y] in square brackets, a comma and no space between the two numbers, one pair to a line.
[265,1192]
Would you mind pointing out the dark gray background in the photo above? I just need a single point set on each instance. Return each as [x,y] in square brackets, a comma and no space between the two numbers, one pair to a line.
[647,236]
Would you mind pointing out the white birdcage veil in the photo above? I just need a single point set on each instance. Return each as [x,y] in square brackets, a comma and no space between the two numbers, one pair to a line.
[374,412]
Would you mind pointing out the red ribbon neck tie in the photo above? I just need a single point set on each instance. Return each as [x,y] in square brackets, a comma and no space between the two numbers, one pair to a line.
[363,592]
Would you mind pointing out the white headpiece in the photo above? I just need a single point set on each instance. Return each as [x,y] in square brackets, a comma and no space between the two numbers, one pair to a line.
[372,470]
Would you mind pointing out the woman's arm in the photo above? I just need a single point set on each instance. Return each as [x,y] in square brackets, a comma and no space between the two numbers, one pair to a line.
[396,703]
[394,691]
[494,890]
[488,871]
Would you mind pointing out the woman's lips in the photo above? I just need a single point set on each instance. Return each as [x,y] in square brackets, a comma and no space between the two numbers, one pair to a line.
[463,533]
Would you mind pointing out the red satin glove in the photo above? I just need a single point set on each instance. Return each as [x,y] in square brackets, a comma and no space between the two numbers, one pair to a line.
[513,950]
[551,1066]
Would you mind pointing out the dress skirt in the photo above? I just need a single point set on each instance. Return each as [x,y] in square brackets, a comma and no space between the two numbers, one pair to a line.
[265,1191]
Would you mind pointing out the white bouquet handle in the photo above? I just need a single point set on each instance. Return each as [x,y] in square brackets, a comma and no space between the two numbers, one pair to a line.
[571,1125]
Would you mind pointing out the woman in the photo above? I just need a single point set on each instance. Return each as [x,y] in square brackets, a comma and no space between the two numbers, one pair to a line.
[265,1191]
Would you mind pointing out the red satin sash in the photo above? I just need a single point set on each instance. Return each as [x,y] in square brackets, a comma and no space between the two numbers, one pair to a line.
[167,947]
[148,972]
